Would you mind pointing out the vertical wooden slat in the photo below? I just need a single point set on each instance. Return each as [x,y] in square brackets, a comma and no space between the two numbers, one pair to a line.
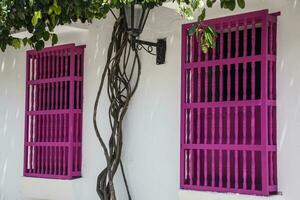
[214,56]
[71,107]
[252,125]
[213,167]
[221,41]
[38,170]
[213,85]
[205,167]
[188,50]
[245,38]
[55,160]
[253,170]
[77,123]
[47,160]
[191,160]
[253,80]
[236,170]
[236,95]
[228,168]
[213,126]
[228,125]
[270,85]
[228,82]
[271,125]
[65,132]
[193,41]
[264,110]
[229,40]
[206,84]
[198,166]
[271,39]
[220,142]
[221,168]
[30,147]
[50,160]
[191,139]
[191,84]
[205,125]
[244,170]
[221,83]
[237,40]
[244,125]
[61,151]
[236,125]
[253,37]
[271,168]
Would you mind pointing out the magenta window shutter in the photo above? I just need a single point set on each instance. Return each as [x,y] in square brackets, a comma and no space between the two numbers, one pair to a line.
[228,107]
[53,112]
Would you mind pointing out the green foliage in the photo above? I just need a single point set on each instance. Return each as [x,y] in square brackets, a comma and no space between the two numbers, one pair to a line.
[16,43]
[40,17]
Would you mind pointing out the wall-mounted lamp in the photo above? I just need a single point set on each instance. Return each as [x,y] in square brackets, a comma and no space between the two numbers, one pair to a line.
[136,16]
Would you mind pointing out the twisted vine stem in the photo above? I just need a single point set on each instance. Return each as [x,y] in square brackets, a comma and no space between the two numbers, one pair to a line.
[122,82]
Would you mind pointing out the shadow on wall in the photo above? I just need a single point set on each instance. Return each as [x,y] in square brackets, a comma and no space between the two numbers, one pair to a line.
[11,122]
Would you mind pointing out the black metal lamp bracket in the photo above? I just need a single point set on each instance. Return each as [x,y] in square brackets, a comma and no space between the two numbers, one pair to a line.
[160,45]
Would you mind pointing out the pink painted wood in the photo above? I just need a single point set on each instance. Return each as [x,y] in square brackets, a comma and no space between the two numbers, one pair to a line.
[228,107]
[53,117]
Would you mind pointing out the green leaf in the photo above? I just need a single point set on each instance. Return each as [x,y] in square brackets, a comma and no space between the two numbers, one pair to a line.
[53,20]
[210,30]
[195,4]
[210,3]
[39,45]
[231,5]
[37,15]
[34,21]
[202,16]
[241,3]
[25,41]
[16,43]
[57,10]
[46,35]
[50,11]
[204,49]
[54,39]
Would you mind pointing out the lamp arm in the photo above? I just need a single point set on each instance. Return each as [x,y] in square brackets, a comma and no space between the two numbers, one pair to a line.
[160,46]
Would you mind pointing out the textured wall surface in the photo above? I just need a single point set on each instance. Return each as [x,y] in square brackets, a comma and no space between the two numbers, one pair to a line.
[151,143]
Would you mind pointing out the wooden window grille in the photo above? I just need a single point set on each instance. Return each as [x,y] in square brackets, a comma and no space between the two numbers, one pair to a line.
[53,112]
[228,107]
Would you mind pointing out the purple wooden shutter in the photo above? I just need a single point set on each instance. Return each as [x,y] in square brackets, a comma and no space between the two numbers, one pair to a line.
[228,107]
[53,112]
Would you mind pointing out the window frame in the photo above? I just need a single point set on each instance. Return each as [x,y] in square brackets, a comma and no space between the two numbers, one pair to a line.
[193,153]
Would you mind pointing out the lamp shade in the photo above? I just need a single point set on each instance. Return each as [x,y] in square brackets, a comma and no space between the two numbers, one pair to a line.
[136,16]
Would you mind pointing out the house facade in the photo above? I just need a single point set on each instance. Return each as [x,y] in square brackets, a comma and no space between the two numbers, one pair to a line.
[152,128]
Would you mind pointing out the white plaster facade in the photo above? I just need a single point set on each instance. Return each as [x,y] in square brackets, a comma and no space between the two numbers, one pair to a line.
[151,146]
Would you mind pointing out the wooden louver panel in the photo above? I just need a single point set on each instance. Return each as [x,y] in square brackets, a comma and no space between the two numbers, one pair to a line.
[53,112]
[228,107]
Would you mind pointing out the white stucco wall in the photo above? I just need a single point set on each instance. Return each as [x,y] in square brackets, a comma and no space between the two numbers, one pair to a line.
[151,146]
